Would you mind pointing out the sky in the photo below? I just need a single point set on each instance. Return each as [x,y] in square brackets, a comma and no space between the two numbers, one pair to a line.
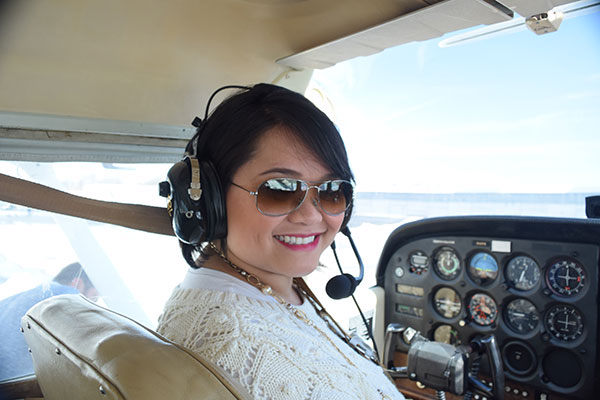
[515,113]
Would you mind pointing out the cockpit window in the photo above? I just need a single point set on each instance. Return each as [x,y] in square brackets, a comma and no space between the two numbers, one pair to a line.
[511,120]
[502,125]
[131,271]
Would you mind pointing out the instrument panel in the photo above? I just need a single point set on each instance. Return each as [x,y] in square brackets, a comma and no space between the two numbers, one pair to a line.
[537,293]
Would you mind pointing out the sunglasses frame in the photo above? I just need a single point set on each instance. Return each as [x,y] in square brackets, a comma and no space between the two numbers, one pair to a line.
[308,187]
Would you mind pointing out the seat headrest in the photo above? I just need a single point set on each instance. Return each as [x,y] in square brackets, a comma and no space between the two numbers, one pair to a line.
[83,351]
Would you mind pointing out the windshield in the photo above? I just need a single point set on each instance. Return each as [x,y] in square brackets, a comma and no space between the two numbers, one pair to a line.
[503,125]
[510,114]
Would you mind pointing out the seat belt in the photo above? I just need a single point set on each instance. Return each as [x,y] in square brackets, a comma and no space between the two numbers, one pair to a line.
[134,216]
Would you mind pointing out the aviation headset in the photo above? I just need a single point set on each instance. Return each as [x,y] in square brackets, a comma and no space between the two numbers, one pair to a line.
[196,199]
[197,202]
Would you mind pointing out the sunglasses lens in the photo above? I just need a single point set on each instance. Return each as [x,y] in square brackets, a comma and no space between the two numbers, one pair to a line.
[335,196]
[280,196]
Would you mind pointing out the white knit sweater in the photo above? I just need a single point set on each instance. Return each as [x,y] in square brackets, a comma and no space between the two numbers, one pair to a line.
[271,352]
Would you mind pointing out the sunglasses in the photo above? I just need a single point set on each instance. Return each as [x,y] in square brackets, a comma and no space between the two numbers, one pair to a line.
[280,196]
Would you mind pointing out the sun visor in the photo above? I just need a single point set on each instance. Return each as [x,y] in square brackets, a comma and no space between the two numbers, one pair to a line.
[426,23]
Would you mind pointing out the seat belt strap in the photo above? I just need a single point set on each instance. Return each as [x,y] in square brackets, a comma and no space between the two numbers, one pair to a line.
[134,216]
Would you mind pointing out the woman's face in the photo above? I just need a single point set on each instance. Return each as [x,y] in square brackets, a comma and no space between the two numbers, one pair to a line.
[261,244]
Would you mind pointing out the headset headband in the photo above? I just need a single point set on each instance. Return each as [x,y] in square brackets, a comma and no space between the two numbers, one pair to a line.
[199,123]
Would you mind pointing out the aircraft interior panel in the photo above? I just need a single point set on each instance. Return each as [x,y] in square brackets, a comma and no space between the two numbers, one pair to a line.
[531,282]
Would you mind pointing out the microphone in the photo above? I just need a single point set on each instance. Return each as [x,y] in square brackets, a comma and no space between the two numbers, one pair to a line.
[342,286]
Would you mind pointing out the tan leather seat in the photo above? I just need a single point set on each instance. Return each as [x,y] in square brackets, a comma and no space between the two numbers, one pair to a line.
[83,351]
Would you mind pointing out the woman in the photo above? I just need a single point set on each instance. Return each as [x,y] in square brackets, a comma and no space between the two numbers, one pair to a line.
[287,187]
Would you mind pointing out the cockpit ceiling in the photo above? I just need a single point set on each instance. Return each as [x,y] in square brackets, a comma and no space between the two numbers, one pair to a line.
[158,62]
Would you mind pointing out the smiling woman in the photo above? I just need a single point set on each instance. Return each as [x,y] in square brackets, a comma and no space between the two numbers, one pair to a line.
[255,239]
[244,305]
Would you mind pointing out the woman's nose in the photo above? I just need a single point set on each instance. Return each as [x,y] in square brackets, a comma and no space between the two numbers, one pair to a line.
[309,211]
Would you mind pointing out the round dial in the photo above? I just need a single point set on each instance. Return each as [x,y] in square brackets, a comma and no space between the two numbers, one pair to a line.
[483,309]
[564,322]
[522,273]
[519,358]
[447,302]
[522,316]
[483,268]
[565,277]
[446,334]
[447,263]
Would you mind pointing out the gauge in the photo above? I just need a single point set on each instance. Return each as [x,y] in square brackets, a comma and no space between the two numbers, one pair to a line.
[447,263]
[483,309]
[522,273]
[419,262]
[446,334]
[483,268]
[447,302]
[564,322]
[519,358]
[565,277]
[522,316]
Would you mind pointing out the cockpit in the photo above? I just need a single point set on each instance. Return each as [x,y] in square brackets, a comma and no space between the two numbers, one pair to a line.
[471,128]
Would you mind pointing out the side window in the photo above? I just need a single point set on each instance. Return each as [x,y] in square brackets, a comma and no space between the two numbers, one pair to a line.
[45,254]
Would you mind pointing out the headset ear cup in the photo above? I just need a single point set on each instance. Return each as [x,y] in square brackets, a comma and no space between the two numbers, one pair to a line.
[184,208]
[199,217]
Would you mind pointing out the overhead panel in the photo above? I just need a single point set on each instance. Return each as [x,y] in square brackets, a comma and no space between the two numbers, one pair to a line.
[424,24]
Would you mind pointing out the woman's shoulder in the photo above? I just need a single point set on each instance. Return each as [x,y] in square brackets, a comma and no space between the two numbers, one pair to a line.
[210,279]
[221,298]
[187,308]
[216,316]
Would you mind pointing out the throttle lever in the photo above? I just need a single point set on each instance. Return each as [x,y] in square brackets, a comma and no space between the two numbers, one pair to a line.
[392,332]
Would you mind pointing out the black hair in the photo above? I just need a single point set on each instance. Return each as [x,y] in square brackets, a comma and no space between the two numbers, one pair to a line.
[229,136]
[73,271]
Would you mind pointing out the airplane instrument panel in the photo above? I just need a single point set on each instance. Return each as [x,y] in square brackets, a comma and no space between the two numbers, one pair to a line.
[532,282]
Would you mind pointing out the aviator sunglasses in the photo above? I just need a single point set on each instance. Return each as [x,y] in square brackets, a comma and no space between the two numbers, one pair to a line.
[280,196]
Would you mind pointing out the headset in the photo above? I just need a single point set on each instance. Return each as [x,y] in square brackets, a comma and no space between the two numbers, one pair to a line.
[196,199]
[198,211]
[342,286]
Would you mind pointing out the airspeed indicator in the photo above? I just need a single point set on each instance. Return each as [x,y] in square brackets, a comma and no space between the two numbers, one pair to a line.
[447,263]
